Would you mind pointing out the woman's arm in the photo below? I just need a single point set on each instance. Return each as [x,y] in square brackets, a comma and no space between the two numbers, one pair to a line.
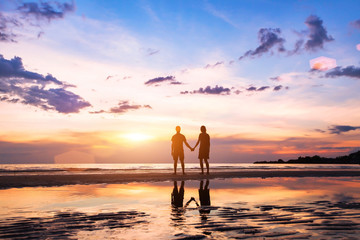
[198,141]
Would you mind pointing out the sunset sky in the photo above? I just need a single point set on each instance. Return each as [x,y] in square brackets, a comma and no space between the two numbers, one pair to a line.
[108,81]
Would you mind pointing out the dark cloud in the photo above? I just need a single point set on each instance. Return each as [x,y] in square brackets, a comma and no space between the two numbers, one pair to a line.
[269,39]
[46,10]
[214,65]
[254,89]
[20,85]
[14,68]
[157,81]
[350,71]
[338,129]
[336,148]
[6,26]
[311,39]
[356,24]
[122,107]
[278,88]
[314,37]
[250,89]
[176,83]
[208,90]
[317,34]
[31,14]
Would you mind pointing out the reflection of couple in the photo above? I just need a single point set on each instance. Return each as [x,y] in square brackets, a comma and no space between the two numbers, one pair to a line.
[177,195]
[177,149]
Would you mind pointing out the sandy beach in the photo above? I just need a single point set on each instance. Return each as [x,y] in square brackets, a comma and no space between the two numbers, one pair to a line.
[33,180]
[237,208]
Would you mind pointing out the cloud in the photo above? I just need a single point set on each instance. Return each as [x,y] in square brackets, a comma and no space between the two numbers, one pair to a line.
[20,85]
[122,107]
[157,81]
[208,90]
[278,88]
[6,26]
[277,78]
[317,34]
[355,24]
[214,65]
[215,12]
[31,14]
[151,51]
[254,89]
[338,129]
[269,39]
[39,151]
[322,63]
[46,10]
[14,69]
[319,130]
[350,71]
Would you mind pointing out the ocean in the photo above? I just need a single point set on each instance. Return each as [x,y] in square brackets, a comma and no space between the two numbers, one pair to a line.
[34,169]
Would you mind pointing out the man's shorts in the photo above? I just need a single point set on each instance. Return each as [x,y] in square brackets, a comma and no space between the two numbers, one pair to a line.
[178,155]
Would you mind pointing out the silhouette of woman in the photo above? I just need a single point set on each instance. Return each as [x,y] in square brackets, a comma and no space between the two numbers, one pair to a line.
[204,149]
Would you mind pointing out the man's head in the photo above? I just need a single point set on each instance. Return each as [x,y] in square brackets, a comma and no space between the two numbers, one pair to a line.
[178,129]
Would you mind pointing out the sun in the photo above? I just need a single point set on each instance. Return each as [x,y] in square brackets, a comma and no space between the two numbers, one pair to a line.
[137,137]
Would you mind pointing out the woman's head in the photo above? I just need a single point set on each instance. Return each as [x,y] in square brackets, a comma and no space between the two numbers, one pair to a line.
[203,129]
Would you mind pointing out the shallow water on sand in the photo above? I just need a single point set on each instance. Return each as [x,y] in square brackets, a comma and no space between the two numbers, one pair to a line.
[246,208]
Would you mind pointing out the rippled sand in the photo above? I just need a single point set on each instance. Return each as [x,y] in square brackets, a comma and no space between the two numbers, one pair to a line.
[238,208]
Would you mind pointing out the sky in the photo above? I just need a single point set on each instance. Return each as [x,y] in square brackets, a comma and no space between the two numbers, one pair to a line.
[108,81]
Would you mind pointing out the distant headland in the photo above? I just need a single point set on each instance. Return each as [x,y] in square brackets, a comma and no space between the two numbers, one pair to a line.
[353,158]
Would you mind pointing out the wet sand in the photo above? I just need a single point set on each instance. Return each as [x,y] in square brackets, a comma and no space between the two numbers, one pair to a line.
[18,180]
[302,208]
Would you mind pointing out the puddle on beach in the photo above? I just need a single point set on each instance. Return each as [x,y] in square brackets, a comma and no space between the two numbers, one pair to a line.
[246,208]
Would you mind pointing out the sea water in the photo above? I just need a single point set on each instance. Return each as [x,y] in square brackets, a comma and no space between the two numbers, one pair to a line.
[25,169]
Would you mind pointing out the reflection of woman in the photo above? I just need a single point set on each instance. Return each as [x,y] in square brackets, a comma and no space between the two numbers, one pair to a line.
[204,193]
[204,196]
[204,149]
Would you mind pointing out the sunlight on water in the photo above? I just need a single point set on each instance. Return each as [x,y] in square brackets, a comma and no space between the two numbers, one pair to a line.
[303,208]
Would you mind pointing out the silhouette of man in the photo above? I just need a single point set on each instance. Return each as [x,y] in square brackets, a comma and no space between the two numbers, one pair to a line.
[177,149]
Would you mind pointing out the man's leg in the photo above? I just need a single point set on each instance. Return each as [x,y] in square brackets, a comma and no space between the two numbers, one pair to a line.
[182,162]
[182,166]
[175,164]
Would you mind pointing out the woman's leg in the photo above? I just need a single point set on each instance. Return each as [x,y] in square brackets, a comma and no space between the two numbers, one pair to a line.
[202,166]
[207,165]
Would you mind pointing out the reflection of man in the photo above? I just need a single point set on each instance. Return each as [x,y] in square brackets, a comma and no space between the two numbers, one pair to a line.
[177,149]
[177,196]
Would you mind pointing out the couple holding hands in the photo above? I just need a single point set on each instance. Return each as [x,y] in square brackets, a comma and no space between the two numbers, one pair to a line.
[177,149]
